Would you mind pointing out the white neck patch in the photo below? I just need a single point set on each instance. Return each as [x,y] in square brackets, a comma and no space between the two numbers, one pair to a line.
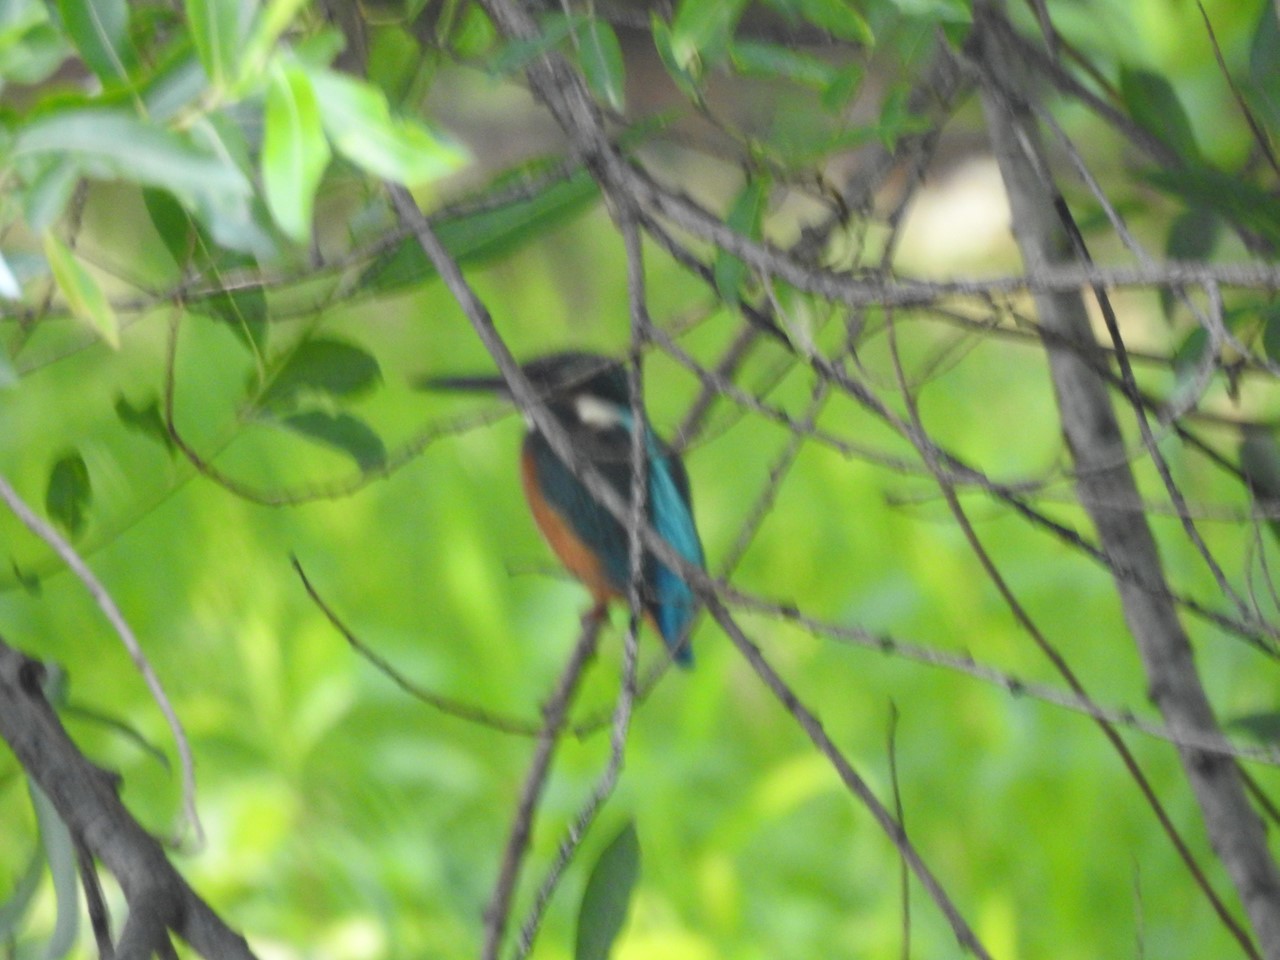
[597,413]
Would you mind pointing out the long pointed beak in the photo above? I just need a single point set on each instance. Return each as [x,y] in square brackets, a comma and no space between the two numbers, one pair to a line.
[477,384]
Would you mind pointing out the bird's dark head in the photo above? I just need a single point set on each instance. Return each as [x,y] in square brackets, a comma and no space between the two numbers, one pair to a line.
[587,387]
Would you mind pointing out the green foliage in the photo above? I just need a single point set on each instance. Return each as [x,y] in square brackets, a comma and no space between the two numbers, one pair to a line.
[608,896]
[195,217]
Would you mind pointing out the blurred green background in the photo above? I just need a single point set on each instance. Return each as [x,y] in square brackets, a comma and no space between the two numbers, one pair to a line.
[347,820]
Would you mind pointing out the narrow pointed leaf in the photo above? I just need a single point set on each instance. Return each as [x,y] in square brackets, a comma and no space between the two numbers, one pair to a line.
[745,218]
[100,31]
[1153,102]
[600,56]
[294,151]
[84,296]
[215,28]
[607,898]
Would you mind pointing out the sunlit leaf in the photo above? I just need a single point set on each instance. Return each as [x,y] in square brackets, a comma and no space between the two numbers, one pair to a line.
[10,289]
[683,75]
[294,151]
[342,431]
[360,127]
[323,366]
[215,28]
[69,493]
[607,898]
[1153,103]
[701,31]
[84,296]
[272,20]
[838,18]
[100,31]
[145,419]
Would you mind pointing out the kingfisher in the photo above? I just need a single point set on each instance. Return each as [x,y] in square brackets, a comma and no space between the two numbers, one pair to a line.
[590,397]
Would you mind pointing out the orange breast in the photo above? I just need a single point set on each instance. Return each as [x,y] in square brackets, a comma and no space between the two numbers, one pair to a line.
[573,553]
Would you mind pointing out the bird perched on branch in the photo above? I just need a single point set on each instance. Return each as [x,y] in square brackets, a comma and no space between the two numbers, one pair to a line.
[589,396]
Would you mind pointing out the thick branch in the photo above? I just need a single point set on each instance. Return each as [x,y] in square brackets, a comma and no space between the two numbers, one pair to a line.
[85,798]
[1109,492]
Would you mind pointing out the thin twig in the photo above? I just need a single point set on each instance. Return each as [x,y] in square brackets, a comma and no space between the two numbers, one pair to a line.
[107,604]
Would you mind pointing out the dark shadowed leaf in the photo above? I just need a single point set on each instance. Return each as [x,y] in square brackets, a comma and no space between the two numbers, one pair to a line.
[1270,316]
[478,237]
[1229,195]
[608,896]
[1192,236]
[756,58]
[1153,103]
[69,493]
[1264,66]
[1260,464]
[1261,726]
[344,432]
[172,223]
[28,581]
[323,366]
[145,419]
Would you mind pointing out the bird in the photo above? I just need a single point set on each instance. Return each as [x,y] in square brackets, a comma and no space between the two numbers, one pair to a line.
[589,396]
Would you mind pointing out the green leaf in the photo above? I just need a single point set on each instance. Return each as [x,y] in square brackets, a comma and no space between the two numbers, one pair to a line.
[1264,66]
[483,236]
[215,29]
[1260,464]
[361,128]
[172,223]
[838,18]
[745,218]
[245,312]
[686,80]
[600,56]
[701,31]
[100,31]
[323,366]
[344,432]
[13,912]
[271,22]
[60,854]
[1153,103]
[1227,195]
[29,582]
[844,85]
[294,151]
[69,493]
[1264,727]
[608,896]
[116,144]
[1270,316]
[517,54]
[146,420]
[85,298]
[756,58]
